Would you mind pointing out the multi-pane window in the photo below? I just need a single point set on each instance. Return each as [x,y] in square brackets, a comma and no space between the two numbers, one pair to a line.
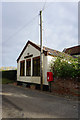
[36,66]
[22,68]
[28,67]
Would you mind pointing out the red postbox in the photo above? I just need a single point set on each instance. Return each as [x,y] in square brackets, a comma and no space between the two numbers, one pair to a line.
[49,76]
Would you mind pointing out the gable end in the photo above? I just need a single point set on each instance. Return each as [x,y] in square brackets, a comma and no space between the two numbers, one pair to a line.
[29,42]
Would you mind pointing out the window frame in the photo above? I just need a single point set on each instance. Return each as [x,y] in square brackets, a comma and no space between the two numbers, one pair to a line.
[35,58]
[30,66]
[23,61]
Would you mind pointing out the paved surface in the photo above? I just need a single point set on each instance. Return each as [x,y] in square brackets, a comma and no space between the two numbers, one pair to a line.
[18,102]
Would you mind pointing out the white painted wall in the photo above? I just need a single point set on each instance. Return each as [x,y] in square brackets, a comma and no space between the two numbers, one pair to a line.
[45,70]
[49,61]
[30,79]
[30,49]
[46,66]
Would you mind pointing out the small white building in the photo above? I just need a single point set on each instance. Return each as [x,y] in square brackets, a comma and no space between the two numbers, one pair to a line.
[28,63]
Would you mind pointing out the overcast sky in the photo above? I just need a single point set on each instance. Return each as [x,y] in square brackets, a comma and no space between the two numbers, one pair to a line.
[20,23]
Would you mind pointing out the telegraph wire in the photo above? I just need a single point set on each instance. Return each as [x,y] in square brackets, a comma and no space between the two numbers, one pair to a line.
[24,26]
[44,5]
[28,23]
[43,9]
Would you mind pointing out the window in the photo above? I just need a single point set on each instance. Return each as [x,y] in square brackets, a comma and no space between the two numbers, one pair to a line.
[22,68]
[36,66]
[28,67]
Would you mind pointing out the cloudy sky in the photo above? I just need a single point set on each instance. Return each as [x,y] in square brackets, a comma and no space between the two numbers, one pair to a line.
[20,23]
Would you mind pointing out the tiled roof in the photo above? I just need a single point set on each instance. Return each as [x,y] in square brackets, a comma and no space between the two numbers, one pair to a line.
[51,51]
[55,53]
[73,50]
[46,50]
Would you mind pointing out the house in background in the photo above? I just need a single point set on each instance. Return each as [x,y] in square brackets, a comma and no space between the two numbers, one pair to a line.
[28,63]
[73,51]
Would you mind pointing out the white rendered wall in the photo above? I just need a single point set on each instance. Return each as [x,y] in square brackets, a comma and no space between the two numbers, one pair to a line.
[49,61]
[31,79]
[46,66]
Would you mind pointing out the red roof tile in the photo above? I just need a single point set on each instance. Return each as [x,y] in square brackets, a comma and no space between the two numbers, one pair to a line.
[73,50]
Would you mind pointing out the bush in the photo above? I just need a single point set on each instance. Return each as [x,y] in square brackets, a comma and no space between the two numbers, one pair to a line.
[65,68]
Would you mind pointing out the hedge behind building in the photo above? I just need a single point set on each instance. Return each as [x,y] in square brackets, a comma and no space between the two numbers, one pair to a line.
[9,74]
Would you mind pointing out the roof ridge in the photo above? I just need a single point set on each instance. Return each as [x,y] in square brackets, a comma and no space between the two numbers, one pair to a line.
[51,49]
[72,47]
[46,50]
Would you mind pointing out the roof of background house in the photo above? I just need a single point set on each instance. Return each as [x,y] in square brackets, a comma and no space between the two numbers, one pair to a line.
[46,50]
[73,50]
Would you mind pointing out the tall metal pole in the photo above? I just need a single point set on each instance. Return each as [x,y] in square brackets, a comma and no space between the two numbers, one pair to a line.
[41,52]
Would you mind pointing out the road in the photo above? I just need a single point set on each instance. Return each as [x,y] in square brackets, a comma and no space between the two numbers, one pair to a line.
[19,102]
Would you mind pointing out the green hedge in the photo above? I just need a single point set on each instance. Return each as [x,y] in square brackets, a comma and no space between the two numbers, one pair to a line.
[65,68]
[9,74]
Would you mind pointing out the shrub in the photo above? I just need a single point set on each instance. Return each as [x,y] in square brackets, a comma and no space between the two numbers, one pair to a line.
[65,67]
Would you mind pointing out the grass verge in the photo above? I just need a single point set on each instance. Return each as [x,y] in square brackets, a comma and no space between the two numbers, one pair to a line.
[5,81]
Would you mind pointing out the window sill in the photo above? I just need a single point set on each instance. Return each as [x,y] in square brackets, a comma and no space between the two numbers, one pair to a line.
[22,76]
[28,76]
[35,76]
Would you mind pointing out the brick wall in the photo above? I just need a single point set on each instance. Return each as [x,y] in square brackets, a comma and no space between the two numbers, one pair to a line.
[66,87]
